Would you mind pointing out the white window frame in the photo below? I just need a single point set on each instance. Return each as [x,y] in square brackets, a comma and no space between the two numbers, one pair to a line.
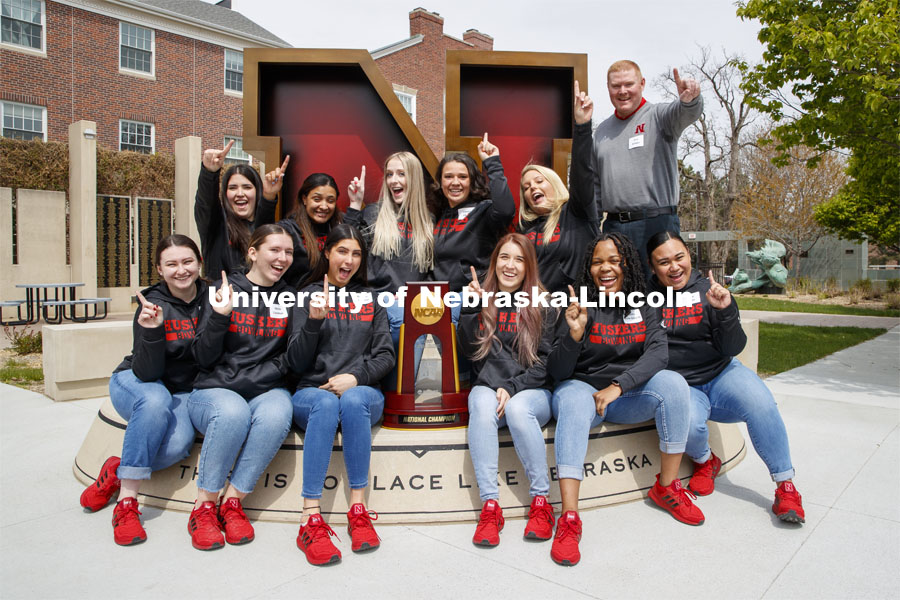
[43,110]
[152,73]
[403,92]
[225,70]
[42,51]
[152,134]
[232,157]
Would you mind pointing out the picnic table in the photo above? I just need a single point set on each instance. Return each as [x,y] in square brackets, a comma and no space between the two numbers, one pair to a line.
[54,302]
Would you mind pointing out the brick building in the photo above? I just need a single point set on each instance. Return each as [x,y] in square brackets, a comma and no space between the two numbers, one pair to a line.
[416,68]
[146,71]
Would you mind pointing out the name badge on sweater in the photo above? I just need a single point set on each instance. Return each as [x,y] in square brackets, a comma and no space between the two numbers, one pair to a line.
[636,142]
[687,299]
[464,213]
[634,316]
[278,311]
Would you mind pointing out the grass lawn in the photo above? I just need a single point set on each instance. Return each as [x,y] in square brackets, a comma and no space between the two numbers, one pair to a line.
[17,373]
[783,347]
[754,303]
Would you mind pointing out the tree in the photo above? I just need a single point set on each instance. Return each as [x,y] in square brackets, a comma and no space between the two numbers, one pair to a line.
[841,61]
[779,202]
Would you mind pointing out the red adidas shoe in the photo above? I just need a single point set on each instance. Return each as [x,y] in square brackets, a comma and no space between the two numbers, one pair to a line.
[315,541]
[490,524]
[540,520]
[203,525]
[232,519]
[677,501]
[565,545]
[126,521]
[98,494]
[703,482]
[788,503]
[359,526]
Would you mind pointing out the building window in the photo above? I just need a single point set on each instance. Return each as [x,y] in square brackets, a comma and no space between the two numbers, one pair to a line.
[236,155]
[24,121]
[234,71]
[135,48]
[409,103]
[22,23]
[136,136]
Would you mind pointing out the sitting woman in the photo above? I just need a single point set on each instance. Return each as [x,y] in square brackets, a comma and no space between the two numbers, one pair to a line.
[150,388]
[610,362]
[339,352]
[240,403]
[702,348]
[508,347]
[559,223]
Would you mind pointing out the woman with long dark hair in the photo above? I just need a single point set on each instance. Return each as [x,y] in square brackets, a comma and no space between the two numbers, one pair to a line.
[508,346]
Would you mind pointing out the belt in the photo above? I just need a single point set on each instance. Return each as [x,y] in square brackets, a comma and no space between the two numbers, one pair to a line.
[637,215]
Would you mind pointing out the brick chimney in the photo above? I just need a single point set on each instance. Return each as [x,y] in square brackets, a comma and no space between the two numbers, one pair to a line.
[426,23]
[481,41]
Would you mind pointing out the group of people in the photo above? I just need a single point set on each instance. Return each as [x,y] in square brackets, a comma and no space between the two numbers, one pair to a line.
[241,375]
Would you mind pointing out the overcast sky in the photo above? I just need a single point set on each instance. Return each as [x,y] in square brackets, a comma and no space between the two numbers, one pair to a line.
[657,34]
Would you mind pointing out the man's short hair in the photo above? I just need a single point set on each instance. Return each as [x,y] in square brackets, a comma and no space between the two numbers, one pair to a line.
[623,65]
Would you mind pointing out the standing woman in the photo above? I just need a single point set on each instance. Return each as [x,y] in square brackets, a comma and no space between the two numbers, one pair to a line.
[561,224]
[610,362]
[508,347]
[312,219]
[240,403]
[226,219]
[150,388]
[339,352]
[704,338]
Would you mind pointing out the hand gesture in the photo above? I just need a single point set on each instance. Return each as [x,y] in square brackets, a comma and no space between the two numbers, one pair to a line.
[214,159]
[474,286]
[274,179]
[151,315]
[487,149]
[717,296]
[576,317]
[502,399]
[339,384]
[320,312]
[224,297]
[687,89]
[605,397]
[584,106]
[357,190]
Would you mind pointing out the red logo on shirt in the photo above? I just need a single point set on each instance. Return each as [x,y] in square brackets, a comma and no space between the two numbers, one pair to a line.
[618,334]
[683,315]
[639,128]
[179,329]
[257,325]
[445,226]
[537,238]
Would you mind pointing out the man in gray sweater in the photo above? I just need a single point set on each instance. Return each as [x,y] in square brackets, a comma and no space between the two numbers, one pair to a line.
[635,155]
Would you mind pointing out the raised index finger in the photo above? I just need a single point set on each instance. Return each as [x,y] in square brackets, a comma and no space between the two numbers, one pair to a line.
[284,165]
[227,147]
[712,279]
[577,90]
[474,274]
[325,289]
[224,280]
[362,173]
[143,301]
[571,292]
[676,76]
[485,138]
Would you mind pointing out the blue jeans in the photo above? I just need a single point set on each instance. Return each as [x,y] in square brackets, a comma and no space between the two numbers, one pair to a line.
[318,413]
[525,414]
[238,432]
[737,395]
[665,398]
[159,432]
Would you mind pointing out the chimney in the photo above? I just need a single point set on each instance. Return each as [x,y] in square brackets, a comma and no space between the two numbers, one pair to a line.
[426,23]
[224,4]
[481,41]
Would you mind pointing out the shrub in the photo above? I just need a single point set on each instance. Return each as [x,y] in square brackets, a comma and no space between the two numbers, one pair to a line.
[866,290]
[24,341]
[892,300]
[893,285]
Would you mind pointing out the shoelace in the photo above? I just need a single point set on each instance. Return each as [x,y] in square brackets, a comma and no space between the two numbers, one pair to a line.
[128,510]
[363,519]
[489,517]
[231,511]
[685,495]
[565,528]
[207,516]
[544,511]
[318,531]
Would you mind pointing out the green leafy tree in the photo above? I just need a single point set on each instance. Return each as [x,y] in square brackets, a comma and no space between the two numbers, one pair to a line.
[830,78]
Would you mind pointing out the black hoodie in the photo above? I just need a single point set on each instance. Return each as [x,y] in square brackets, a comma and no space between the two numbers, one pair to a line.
[702,339]
[343,342]
[386,275]
[465,236]
[164,352]
[501,367]
[561,258]
[218,254]
[300,268]
[243,352]
[626,345]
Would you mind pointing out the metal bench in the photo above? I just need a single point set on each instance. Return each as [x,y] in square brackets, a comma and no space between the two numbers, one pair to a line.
[62,308]
[18,306]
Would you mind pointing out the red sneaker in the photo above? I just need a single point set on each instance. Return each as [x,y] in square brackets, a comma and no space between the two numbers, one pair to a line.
[490,524]
[788,506]
[315,541]
[359,526]
[126,520]
[540,520]
[203,525]
[677,500]
[703,482]
[232,519]
[565,545]
[98,494]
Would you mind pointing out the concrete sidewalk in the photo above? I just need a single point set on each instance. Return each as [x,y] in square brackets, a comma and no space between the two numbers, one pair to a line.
[821,319]
[842,414]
